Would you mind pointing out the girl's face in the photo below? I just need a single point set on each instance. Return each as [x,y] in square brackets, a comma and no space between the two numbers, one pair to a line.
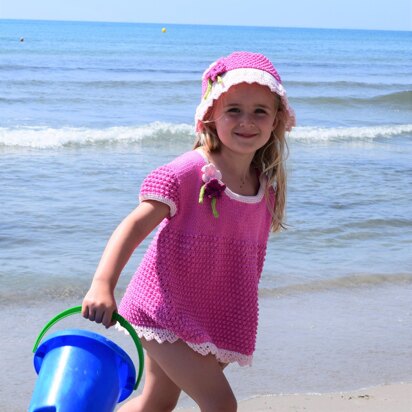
[244,117]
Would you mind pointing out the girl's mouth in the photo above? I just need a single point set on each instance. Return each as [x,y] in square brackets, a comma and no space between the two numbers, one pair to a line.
[246,135]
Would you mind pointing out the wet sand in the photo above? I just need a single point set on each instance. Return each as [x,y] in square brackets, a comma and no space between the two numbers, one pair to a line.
[387,398]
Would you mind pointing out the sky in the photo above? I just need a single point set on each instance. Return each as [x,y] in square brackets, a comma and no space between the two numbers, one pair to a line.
[345,14]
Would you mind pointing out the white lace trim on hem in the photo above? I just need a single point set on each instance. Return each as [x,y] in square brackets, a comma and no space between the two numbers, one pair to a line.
[206,348]
[168,202]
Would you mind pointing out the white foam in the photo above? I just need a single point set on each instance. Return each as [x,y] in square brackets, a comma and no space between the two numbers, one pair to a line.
[45,137]
[366,133]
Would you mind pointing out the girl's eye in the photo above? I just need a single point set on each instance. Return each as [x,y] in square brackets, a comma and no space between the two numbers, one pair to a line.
[233,110]
[260,111]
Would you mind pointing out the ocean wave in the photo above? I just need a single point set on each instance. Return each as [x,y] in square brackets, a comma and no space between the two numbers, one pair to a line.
[404,97]
[355,281]
[49,287]
[43,137]
[94,84]
[74,68]
[401,98]
[347,84]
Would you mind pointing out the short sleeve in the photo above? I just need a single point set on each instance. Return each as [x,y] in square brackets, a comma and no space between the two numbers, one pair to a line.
[161,185]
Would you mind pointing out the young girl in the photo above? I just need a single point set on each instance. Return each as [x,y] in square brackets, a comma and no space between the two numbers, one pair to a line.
[194,298]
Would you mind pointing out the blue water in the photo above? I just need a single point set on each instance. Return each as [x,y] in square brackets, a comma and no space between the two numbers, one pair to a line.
[88,109]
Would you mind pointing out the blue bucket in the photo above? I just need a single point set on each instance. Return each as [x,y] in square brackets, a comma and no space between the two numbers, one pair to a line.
[82,371]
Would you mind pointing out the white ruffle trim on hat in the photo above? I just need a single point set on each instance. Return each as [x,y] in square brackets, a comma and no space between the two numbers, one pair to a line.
[244,75]
[206,348]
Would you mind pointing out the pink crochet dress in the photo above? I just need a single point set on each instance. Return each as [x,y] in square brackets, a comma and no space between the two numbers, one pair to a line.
[198,280]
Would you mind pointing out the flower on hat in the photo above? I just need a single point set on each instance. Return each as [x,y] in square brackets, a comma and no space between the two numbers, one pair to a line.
[213,74]
[213,186]
[216,70]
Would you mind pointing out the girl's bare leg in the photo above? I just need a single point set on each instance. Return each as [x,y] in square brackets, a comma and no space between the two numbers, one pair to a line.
[159,394]
[201,377]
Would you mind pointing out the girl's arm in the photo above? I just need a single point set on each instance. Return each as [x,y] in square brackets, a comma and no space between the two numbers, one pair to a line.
[99,303]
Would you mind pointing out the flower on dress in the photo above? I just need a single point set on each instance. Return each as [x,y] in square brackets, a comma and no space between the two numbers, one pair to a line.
[213,186]
[210,172]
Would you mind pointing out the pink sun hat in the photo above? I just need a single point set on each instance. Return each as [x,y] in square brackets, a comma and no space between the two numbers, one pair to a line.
[241,67]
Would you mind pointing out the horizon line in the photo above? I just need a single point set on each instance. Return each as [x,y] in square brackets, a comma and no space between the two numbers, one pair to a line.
[203,24]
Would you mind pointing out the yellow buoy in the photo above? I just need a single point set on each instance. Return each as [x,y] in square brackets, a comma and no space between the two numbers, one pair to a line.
[164,30]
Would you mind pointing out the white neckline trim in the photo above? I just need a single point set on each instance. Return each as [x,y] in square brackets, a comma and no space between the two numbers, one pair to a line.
[235,196]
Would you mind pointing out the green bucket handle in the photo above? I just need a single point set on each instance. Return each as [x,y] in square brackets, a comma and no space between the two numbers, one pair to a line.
[118,318]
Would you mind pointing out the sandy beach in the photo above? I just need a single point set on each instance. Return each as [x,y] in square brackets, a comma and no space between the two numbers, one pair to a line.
[387,398]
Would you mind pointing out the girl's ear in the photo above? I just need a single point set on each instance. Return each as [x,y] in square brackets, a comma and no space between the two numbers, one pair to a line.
[279,109]
[276,121]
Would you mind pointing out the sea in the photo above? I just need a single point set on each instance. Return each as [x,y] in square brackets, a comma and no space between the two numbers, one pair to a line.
[88,109]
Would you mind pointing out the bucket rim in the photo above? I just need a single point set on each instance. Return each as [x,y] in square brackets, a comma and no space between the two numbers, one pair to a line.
[91,343]
[70,336]
[117,317]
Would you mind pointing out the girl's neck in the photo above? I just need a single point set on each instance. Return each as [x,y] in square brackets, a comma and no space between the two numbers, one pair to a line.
[237,171]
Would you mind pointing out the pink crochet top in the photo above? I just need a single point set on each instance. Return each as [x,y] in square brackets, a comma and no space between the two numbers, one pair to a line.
[198,280]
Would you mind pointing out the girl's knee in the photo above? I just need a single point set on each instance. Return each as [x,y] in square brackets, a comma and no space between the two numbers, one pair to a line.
[229,405]
[167,405]
[159,404]
[223,403]
[143,404]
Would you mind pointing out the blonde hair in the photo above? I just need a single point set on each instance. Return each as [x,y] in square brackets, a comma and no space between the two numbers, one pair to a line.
[269,159]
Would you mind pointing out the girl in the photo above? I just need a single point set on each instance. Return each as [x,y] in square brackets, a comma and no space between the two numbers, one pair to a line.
[194,298]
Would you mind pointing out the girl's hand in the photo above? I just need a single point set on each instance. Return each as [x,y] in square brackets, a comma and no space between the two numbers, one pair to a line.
[99,304]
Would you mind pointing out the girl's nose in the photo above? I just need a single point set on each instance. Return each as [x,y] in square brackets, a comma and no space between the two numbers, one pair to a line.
[246,120]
